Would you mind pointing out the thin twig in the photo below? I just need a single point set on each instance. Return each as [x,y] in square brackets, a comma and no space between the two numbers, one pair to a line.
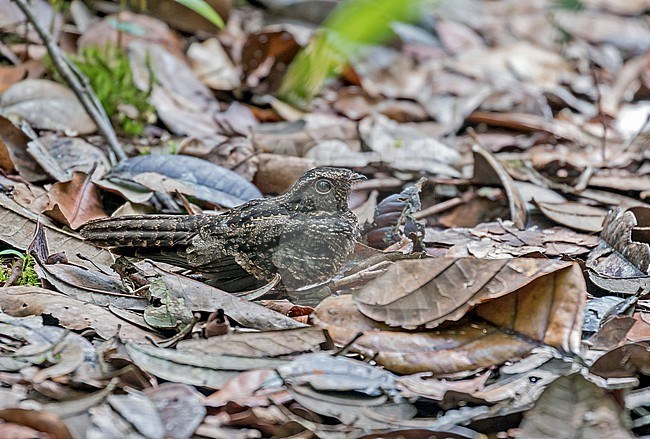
[78,82]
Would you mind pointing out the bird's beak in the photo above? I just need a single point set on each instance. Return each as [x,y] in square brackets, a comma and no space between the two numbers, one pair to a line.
[354,177]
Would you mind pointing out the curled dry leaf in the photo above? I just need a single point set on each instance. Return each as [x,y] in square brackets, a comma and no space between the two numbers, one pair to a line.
[75,202]
[621,262]
[488,170]
[394,220]
[14,155]
[428,292]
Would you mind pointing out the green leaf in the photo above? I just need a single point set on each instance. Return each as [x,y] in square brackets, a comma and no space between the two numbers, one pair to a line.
[352,25]
[204,10]
[11,252]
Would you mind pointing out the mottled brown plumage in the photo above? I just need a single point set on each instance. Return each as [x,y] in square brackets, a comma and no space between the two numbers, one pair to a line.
[305,235]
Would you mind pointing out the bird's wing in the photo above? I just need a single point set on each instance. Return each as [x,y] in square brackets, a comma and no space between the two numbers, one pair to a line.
[245,237]
[312,251]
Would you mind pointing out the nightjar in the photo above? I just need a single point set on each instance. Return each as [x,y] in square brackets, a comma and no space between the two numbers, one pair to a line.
[305,235]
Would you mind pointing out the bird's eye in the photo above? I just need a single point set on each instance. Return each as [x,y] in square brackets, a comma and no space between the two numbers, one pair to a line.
[323,186]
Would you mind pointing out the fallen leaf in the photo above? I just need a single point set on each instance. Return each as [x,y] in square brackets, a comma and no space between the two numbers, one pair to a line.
[47,105]
[75,202]
[577,408]
[488,170]
[14,155]
[70,313]
[575,215]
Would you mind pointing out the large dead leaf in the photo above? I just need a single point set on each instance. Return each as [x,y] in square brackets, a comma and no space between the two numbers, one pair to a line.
[530,299]
[428,292]
[462,347]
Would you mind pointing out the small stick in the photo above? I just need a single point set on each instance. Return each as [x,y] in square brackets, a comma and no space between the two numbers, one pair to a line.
[78,82]
[365,274]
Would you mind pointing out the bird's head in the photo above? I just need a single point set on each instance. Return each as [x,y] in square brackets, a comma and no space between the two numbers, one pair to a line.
[322,189]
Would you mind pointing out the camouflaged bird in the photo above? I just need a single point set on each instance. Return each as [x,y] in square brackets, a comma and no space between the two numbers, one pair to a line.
[304,235]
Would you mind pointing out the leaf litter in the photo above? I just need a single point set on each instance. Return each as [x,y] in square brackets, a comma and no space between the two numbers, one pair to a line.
[502,290]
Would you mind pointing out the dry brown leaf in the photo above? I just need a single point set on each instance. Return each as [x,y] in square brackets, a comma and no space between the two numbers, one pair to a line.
[70,313]
[624,361]
[488,170]
[44,422]
[13,153]
[428,292]
[575,215]
[465,346]
[573,407]
[47,105]
[75,202]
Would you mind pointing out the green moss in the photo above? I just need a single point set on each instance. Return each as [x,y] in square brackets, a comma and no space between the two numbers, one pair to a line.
[29,276]
[109,73]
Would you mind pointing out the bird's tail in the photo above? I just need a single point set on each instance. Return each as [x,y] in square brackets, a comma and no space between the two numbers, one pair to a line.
[142,230]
